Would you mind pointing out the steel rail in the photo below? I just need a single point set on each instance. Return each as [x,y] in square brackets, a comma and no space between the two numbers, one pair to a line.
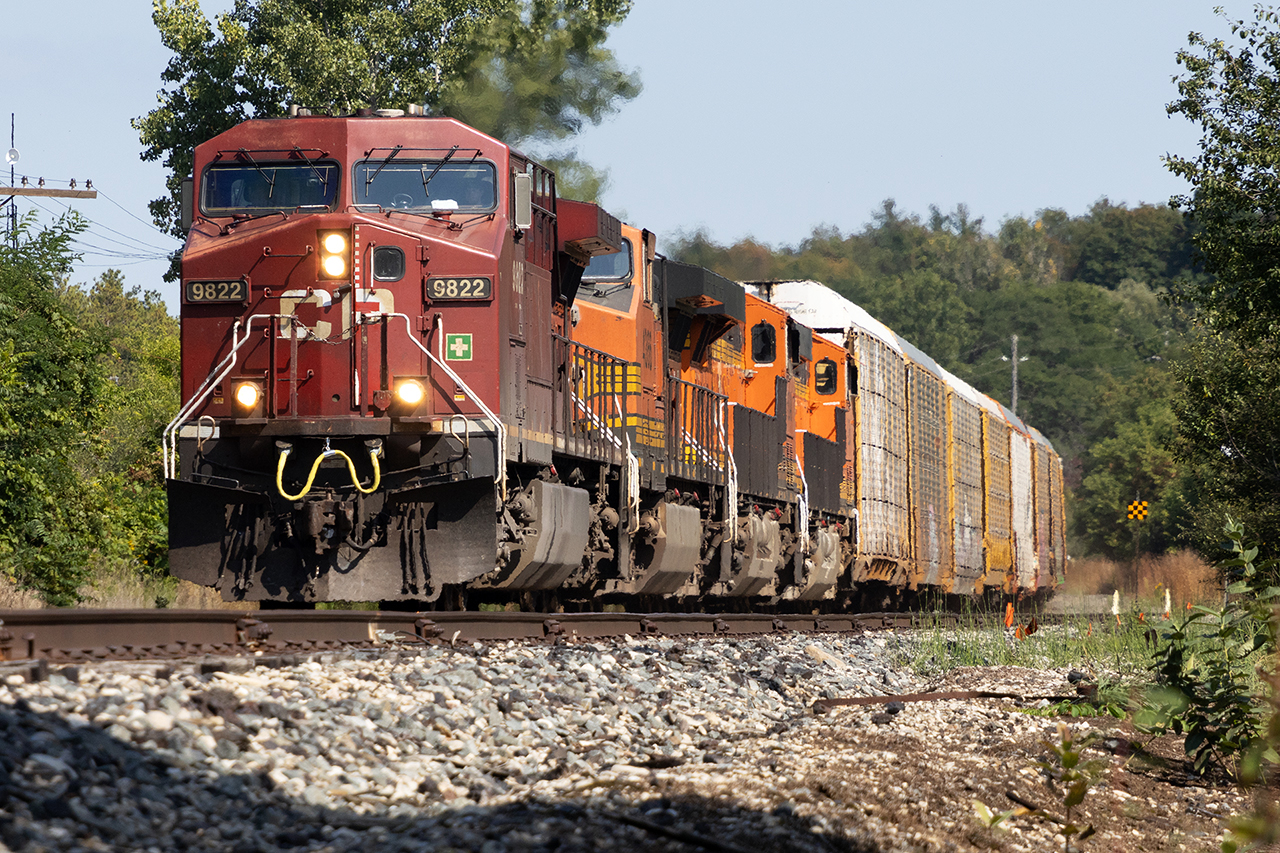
[70,635]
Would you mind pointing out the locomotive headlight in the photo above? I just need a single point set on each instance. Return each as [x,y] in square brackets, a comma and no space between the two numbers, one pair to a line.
[335,254]
[335,243]
[247,394]
[335,266]
[410,392]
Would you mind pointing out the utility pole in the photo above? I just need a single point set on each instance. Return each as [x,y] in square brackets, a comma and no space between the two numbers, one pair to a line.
[1013,357]
[12,157]
[11,191]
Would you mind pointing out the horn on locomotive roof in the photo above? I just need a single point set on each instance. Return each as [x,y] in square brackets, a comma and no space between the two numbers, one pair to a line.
[296,111]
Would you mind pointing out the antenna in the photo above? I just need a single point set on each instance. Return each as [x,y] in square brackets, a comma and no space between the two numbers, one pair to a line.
[12,156]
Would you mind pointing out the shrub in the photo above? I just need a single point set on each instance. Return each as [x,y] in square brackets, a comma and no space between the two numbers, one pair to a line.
[1204,667]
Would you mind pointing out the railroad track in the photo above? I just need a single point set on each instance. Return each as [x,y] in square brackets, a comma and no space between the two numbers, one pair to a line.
[78,636]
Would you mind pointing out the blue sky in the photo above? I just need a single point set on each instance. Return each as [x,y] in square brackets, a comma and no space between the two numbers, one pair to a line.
[757,118]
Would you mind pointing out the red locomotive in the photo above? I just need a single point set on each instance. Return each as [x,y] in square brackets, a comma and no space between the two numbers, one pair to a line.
[412,373]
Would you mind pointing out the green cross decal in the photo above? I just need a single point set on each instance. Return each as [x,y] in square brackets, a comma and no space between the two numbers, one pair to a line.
[457,347]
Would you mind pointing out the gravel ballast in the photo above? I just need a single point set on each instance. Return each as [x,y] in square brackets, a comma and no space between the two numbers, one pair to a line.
[640,744]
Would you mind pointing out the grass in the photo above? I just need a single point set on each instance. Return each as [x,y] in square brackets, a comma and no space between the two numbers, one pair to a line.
[1090,643]
[1083,639]
[1187,577]
[118,584]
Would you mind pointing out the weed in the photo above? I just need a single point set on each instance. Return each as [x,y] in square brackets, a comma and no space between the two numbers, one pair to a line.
[1262,826]
[1075,777]
[1122,650]
[1204,669]
[1110,699]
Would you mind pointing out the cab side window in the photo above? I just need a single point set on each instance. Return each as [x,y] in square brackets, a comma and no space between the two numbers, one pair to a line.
[824,377]
[764,343]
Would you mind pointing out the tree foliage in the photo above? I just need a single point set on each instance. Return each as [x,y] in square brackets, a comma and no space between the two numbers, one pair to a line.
[541,72]
[49,387]
[519,69]
[1227,413]
[1127,456]
[88,378]
[141,361]
[1227,416]
[1233,94]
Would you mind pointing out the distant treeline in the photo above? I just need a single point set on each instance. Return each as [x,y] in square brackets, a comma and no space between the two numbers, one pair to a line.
[1084,296]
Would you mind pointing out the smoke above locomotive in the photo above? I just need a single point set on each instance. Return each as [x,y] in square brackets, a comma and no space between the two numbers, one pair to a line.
[412,373]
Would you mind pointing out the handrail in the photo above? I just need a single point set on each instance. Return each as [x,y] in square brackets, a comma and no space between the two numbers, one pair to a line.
[802,503]
[731,485]
[169,438]
[499,428]
[633,474]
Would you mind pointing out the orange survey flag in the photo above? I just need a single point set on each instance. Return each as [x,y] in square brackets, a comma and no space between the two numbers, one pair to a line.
[1008,615]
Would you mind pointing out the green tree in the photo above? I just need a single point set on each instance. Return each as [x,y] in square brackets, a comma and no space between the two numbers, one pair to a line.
[50,386]
[523,69]
[1233,94]
[539,76]
[1227,413]
[1127,455]
[140,358]
[1147,243]
[1028,246]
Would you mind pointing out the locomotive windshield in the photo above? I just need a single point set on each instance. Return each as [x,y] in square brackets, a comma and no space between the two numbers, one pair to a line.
[253,188]
[607,279]
[425,185]
[615,266]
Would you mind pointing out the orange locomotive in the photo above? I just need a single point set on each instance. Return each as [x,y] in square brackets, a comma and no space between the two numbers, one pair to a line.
[412,373]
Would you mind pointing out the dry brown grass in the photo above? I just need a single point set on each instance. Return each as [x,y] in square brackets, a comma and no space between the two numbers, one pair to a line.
[12,598]
[189,596]
[1187,577]
[123,589]
[119,586]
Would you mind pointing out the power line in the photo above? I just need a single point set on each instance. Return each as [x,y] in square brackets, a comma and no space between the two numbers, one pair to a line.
[141,243]
[126,210]
[157,253]
[150,225]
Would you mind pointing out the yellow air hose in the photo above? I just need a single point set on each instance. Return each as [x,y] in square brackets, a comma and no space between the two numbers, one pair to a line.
[315,466]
